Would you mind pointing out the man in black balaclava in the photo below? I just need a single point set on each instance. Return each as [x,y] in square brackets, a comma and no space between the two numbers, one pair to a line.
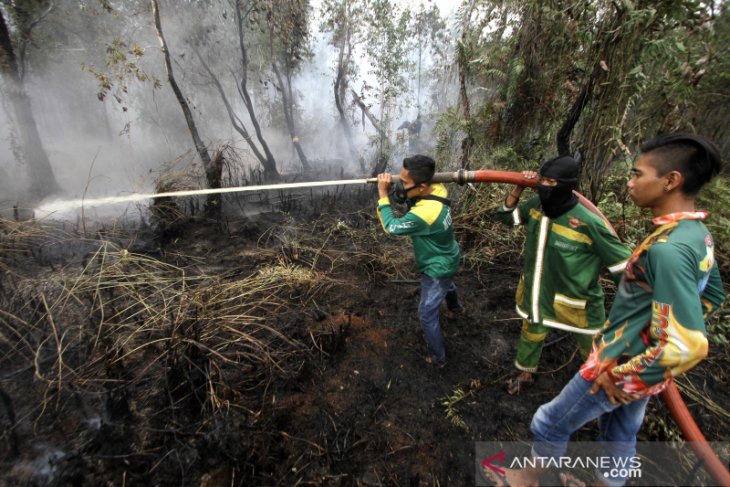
[565,248]
[559,177]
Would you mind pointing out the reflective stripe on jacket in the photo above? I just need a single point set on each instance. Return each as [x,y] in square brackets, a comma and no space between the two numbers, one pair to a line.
[563,258]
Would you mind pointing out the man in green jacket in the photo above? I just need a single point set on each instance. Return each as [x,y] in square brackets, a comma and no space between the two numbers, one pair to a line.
[566,247]
[429,224]
[656,327]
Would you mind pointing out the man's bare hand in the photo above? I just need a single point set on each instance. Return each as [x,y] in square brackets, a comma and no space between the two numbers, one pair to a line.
[615,394]
[384,184]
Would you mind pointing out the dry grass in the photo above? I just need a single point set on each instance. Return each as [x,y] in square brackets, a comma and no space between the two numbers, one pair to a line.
[125,320]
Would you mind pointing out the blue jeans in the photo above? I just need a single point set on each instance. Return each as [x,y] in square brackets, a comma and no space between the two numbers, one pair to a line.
[433,291]
[554,422]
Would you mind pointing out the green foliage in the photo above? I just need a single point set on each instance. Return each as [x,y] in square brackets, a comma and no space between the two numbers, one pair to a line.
[123,64]
[506,159]
[718,330]
[387,46]
[287,24]
[631,222]
[455,398]
[644,67]
[343,20]
[430,32]
[447,127]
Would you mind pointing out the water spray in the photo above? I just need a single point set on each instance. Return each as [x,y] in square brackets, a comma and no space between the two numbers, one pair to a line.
[460,177]
[64,205]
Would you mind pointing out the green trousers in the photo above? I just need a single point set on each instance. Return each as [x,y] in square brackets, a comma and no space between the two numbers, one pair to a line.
[532,340]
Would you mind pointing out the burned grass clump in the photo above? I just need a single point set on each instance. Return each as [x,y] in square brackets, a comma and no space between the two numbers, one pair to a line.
[168,217]
[130,354]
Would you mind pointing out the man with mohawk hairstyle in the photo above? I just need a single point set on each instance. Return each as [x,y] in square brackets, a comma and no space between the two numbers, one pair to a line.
[656,327]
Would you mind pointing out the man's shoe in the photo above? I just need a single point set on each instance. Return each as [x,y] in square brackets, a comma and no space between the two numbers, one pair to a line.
[439,365]
[452,315]
[515,385]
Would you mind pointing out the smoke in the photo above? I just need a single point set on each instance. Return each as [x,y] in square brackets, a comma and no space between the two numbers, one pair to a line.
[121,145]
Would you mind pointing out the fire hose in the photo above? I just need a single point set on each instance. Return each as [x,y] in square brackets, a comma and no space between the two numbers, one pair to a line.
[493,176]
[676,405]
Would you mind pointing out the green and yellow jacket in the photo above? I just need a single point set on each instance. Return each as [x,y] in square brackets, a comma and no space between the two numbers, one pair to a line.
[656,327]
[429,224]
[563,258]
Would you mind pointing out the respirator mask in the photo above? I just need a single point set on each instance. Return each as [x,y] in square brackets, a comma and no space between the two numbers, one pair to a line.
[400,192]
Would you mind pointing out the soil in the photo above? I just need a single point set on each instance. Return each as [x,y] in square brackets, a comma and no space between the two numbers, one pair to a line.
[359,407]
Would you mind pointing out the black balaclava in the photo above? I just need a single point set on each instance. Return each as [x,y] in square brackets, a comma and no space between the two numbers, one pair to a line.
[558,199]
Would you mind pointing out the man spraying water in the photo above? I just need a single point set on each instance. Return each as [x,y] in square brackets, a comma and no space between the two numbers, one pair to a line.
[430,226]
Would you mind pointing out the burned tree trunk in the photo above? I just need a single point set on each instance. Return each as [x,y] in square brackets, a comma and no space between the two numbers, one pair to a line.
[213,202]
[287,102]
[382,157]
[235,121]
[563,136]
[268,162]
[340,89]
[43,181]
[468,140]
[366,111]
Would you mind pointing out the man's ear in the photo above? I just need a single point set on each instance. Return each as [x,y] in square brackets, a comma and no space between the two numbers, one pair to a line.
[674,180]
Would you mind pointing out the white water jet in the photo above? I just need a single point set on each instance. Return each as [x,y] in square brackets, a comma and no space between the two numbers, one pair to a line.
[54,208]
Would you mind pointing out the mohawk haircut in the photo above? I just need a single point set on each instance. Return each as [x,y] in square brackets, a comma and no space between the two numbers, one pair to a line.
[693,156]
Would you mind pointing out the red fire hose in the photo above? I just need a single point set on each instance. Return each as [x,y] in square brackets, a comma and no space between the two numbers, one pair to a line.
[493,176]
[678,409]
[691,432]
[487,176]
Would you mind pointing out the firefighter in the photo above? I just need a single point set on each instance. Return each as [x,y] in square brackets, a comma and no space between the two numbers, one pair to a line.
[429,224]
[566,248]
[656,327]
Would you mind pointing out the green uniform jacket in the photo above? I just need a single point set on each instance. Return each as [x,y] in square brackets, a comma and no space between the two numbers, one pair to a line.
[656,327]
[563,258]
[430,226]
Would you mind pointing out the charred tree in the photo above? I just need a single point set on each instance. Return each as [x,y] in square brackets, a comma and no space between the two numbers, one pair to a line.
[382,157]
[287,101]
[366,111]
[344,17]
[563,135]
[340,91]
[287,34]
[468,140]
[267,158]
[213,202]
[42,180]
[237,123]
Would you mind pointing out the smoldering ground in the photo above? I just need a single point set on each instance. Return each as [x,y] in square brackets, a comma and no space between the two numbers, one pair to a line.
[279,349]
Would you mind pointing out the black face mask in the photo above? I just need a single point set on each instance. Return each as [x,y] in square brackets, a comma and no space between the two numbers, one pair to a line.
[400,192]
[560,198]
[556,200]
